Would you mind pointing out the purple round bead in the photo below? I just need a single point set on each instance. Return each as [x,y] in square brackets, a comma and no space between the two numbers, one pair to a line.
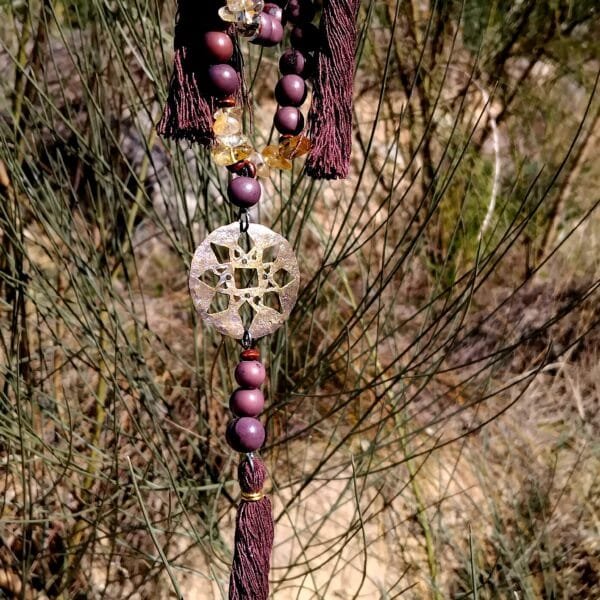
[246,403]
[289,120]
[265,29]
[300,11]
[218,46]
[250,374]
[305,37]
[274,10]
[290,90]
[245,434]
[223,79]
[293,62]
[244,191]
[276,33]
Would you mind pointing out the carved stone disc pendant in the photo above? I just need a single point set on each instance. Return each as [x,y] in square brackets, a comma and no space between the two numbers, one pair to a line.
[244,281]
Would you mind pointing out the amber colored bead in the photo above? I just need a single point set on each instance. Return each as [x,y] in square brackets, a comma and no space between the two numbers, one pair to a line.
[293,146]
[274,159]
[250,354]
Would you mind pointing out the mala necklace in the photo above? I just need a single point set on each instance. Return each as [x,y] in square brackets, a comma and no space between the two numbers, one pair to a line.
[204,105]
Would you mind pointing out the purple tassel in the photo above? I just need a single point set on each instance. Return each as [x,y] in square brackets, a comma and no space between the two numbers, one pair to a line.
[330,115]
[254,532]
[188,111]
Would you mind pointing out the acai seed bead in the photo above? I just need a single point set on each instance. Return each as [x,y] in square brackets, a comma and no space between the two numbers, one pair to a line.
[223,79]
[290,90]
[289,120]
[250,374]
[245,434]
[246,403]
[244,192]
[218,46]
[294,62]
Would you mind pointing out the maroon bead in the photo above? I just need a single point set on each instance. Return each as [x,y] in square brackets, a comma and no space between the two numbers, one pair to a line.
[244,191]
[218,46]
[293,62]
[305,37]
[250,374]
[276,33]
[290,90]
[227,102]
[244,168]
[250,354]
[274,10]
[265,29]
[223,79]
[300,11]
[245,434]
[289,120]
[246,403]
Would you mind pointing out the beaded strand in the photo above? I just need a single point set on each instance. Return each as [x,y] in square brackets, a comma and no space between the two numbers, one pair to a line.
[261,24]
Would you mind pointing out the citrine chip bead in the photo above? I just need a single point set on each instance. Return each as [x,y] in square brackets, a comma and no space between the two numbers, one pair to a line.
[262,168]
[294,146]
[274,159]
[242,18]
[228,121]
[239,5]
[225,152]
[228,16]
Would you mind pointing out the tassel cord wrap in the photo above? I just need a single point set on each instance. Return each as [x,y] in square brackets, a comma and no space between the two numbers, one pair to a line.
[254,534]
[330,116]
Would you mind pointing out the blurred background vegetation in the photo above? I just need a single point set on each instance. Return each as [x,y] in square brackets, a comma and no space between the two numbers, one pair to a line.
[433,402]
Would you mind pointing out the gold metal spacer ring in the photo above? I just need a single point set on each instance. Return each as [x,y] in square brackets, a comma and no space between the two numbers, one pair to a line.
[253,496]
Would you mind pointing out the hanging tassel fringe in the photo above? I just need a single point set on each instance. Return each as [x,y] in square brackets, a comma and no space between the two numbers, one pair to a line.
[330,115]
[188,111]
[254,533]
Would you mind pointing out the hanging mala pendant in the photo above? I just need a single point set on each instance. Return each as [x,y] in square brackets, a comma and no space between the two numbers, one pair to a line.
[244,278]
